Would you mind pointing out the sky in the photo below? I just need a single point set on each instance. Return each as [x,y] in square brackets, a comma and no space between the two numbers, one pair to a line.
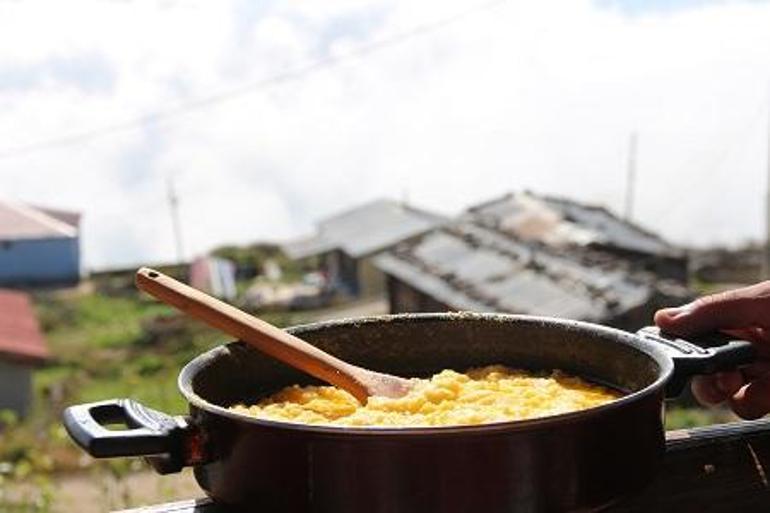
[267,116]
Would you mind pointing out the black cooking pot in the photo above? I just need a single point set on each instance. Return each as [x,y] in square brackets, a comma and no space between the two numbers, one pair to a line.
[576,461]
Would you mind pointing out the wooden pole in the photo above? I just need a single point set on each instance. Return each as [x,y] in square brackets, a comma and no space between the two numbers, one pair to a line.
[631,176]
[173,202]
[766,259]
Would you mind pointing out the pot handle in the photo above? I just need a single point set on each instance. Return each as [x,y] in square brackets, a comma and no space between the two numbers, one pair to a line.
[705,354]
[163,439]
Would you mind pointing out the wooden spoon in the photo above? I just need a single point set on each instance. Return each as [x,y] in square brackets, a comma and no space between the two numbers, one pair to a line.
[273,341]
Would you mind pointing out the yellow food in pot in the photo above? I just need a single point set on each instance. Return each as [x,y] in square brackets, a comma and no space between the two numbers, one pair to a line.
[479,396]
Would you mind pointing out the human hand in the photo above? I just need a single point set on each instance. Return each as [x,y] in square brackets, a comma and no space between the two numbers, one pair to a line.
[743,313]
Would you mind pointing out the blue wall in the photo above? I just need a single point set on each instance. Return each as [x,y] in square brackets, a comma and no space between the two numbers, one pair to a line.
[39,261]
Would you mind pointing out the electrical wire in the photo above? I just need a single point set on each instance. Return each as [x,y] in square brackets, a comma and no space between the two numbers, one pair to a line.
[288,75]
[715,169]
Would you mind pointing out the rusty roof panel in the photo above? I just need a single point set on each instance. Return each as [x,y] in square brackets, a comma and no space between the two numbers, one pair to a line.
[561,222]
[20,336]
[471,267]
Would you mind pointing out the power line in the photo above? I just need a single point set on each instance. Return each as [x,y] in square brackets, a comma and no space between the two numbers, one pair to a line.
[238,92]
[716,167]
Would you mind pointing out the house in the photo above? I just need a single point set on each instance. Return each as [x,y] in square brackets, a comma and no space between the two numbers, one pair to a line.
[38,246]
[22,348]
[562,223]
[347,242]
[533,259]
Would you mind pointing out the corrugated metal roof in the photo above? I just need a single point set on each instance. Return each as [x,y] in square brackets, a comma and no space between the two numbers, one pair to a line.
[560,222]
[308,246]
[20,336]
[429,284]
[469,267]
[365,229]
[610,229]
[531,292]
[18,221]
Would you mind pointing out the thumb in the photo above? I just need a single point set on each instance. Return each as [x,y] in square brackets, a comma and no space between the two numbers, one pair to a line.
[735,309]
[675,320]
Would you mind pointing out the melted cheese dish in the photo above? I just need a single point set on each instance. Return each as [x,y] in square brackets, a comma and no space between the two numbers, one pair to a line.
[479,396]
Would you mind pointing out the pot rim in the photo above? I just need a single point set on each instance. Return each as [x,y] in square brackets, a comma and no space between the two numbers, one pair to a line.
[661,358]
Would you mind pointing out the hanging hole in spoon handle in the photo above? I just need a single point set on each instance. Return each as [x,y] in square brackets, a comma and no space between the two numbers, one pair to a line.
[273,341]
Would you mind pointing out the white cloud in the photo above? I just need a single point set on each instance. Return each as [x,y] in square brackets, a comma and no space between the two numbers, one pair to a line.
[537,95]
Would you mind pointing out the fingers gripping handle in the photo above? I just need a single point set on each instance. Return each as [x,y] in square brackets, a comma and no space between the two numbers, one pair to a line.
[150,433]
[699,355]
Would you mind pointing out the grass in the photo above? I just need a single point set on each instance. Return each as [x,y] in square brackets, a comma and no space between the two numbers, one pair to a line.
[160,392]
[104,347]
[92,321]
[679,417]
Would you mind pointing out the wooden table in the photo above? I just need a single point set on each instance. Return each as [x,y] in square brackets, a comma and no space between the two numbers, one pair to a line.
[722,468]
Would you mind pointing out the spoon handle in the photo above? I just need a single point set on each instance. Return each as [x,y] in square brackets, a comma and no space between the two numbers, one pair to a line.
[265,337]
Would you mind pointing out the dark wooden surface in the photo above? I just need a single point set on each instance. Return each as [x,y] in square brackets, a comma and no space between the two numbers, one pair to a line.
[722,468]
[714,469]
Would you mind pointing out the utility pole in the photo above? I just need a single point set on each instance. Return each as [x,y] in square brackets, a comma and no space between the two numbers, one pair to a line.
[173,202]
[631,176]
[766,259]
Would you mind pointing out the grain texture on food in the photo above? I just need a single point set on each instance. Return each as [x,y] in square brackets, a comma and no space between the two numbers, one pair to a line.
[479,396]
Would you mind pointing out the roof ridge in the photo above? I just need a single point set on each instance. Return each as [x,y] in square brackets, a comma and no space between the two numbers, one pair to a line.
[549,198]
[68,217]
[423,212]
[354,208]
[41,217]
[493,201]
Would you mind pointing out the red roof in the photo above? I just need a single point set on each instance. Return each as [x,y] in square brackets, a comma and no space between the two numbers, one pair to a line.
[20,336]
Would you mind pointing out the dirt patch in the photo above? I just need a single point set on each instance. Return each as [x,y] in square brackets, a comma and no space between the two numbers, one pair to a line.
[87,493]
[100,492]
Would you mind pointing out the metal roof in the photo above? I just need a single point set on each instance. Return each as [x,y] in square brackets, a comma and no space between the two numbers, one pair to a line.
[20,336]
[307,246]
[432,285]
[18,221]
[365,229]
[561,222]
[470,267]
